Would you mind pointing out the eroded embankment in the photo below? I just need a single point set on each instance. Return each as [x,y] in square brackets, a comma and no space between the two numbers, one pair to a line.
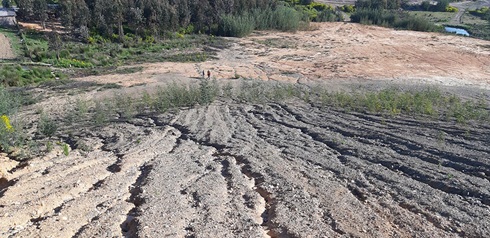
[260,170]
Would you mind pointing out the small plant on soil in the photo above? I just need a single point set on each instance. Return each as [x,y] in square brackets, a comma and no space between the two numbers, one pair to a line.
[66,149]
[47,126]
[49,146]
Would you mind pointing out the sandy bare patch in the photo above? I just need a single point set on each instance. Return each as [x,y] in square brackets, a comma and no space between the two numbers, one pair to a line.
[6,49]
[338,51]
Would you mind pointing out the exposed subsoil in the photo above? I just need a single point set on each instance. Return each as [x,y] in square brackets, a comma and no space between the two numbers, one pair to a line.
[268,170]
[337,51]
[6,49]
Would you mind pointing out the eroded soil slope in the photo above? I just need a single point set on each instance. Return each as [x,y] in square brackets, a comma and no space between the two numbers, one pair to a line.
[267,170]
[231,170]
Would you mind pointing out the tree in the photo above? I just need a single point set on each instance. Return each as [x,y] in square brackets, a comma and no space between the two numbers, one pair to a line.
[306,2]
[393,4]
[6,3]
[441,5]
[425,5]
[75,16]
[55,43]
[41,11]
[66,13]
[25,8]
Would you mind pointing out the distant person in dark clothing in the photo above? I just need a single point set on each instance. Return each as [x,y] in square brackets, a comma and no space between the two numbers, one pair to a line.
[203,74]
[209,74]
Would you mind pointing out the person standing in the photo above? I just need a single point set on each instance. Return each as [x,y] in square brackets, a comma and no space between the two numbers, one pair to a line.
[209,74]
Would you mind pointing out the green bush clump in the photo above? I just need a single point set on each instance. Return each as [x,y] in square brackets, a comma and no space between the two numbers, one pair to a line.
[46,126]
[483,13]
[282,18]
[451,9]
[68,63]
[14,76]
[348,8]
[236,26]
[11,132]
[389,18]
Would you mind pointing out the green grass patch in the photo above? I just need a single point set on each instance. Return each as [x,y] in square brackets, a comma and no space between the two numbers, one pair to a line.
[430,102]
[17,75]
[14,38]
[434,17]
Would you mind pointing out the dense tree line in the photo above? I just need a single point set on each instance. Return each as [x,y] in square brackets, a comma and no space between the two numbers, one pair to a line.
[142,17]
[386,13]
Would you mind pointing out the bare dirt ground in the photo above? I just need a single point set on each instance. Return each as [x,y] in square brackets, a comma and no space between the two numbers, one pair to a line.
[270,170]
[6,49]
[338,51]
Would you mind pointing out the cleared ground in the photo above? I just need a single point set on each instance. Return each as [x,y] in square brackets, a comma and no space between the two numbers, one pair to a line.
[6,50]
[287,169]
[338,51]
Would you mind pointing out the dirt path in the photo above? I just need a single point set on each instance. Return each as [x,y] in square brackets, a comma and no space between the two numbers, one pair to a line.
[6,49]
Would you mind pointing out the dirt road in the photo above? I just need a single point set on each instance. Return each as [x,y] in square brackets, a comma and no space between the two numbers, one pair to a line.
[268,170]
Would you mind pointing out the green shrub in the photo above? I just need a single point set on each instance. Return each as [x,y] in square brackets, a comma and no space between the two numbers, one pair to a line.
[236,26]
[47,126]
[388,18]
[68,63]
[348,8]
[282,18]
[451,9]
[13,76]
[66,149]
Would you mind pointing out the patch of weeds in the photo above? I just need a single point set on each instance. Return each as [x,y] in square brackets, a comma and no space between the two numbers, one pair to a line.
[17,75]
[49,146]
[208,91]
[430,102]
[125,106]
[66,149]
[228,90]
[100,116]
[110,86]
[83,146]
[81,107]
[46,126]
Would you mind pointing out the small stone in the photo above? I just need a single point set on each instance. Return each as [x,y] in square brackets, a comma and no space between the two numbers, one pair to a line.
[64,218]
